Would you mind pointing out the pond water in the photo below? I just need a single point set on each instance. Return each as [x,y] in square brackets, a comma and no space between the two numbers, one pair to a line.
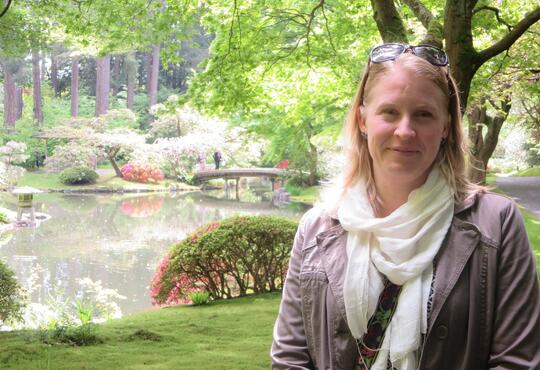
[116,239]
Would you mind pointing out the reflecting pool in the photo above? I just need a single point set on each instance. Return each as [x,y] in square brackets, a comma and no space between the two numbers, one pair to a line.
[116,239]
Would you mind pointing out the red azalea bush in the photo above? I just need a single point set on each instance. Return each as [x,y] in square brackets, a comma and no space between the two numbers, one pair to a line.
[141,173]
[233,257]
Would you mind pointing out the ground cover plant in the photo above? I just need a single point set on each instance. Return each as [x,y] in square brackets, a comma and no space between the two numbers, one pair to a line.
[230,258]
[227,334]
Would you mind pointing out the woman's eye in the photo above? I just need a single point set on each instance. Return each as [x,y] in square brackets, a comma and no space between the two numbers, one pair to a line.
[424,114]
[389,111]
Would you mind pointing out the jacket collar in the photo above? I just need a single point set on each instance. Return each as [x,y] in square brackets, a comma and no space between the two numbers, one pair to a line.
[462,236]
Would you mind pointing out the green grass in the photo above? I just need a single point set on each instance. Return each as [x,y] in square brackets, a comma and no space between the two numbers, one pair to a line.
[534,171]
[532,224]
[234,334]
[43,180]
[306,195]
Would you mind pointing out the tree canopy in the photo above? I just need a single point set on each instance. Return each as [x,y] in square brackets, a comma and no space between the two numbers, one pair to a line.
[287,69]
[291,64]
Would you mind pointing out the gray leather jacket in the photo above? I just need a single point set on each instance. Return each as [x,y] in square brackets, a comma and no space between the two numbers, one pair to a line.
[486,299]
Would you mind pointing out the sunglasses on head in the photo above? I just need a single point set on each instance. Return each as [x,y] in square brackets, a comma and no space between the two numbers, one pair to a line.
[387,52]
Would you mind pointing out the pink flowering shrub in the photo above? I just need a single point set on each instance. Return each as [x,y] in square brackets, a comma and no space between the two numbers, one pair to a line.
[141,173]
[230,258]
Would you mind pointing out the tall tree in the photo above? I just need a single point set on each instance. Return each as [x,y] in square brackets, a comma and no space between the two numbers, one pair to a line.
[20,101]
[131,74]
[54,73]
[43,68]
[74,87]
[103,68]
[36,88]
[10,99]
[116,79]
[154,75]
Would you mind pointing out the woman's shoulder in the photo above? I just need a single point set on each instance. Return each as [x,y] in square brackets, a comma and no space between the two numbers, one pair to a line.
[492,214]
[490,203]
[317,220]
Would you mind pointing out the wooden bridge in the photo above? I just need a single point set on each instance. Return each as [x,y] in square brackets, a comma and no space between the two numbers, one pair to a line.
[237,173]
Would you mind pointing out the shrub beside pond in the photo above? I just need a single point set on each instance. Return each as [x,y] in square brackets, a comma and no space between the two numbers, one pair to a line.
[11,295]
[230,258]
[78,176]
[141,173]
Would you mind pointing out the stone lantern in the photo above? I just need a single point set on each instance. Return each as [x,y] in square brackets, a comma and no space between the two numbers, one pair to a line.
[25,204]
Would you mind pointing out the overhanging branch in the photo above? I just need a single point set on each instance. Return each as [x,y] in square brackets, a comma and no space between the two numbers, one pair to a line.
[420,11]
[389,22]
[497,15]
[507,41]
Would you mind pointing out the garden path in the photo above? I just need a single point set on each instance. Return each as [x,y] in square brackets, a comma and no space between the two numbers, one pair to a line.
[524,190]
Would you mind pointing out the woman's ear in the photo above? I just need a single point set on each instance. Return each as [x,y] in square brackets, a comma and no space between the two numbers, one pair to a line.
[446,129]
[361,118]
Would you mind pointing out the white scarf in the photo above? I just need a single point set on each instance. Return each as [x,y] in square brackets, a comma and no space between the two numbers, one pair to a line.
[402,247]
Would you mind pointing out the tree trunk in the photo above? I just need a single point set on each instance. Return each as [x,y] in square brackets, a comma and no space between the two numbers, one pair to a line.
[36,81]
[313,160]
[102,85]
[10,100]
[117,64]
[75,87]
[111,154]
[148,65]
[313,155]
[54,75]
[152,92]
[459,45]
[43,69]
[483,146]
[388,21]
[131,73]
[19,101]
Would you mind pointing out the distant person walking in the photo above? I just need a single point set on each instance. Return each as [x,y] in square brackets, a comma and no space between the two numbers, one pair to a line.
[217,159]
[201,161]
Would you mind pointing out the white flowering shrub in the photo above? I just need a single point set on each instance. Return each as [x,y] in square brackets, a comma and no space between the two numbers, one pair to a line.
[173,120]
[241,148]
[9,174]
[180,153]
[12,153]
[72,154]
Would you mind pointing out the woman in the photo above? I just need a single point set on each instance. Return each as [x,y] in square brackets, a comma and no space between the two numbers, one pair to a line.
[413,267]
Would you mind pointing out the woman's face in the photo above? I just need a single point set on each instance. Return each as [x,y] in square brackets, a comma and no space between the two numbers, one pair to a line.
[405,119]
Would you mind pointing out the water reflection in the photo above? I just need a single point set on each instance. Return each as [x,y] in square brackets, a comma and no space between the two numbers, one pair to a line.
[117,239]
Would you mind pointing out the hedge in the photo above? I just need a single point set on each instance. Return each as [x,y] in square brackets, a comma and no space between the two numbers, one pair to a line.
[230,258]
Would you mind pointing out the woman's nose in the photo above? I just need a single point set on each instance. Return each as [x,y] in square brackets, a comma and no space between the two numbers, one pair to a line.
[405,129]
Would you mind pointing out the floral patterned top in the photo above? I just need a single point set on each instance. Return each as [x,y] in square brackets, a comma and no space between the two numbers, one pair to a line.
[377,324]
[373,338]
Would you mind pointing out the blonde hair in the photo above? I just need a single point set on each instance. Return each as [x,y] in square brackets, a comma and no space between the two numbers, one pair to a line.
[452,152]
